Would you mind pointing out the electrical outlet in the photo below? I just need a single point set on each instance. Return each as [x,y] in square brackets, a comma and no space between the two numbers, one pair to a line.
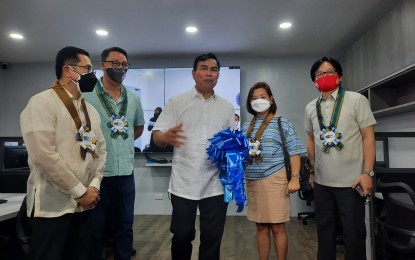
[158,196]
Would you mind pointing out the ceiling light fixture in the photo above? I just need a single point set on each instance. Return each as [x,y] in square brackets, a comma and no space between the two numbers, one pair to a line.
[191,29]
[285,25]
[16,36]
[101,32]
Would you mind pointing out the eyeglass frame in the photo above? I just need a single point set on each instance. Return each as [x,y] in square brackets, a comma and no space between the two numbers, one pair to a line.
[89,68]
[121,64]
[325,73]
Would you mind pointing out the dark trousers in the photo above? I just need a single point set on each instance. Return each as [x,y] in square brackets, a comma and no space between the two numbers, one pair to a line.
[349,206]
[114,214]
[65,237]
[212,223]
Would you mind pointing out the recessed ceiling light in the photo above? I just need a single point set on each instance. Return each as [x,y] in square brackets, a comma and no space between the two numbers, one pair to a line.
[16,36]
[191,29]
[102,32]
[285,25]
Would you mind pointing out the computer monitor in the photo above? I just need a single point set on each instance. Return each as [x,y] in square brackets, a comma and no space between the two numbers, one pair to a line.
[14,169]
[15,157]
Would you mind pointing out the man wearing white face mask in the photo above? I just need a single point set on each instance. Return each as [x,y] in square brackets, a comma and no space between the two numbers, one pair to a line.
[66,150]
[122,122]
[267,184]
[341,146]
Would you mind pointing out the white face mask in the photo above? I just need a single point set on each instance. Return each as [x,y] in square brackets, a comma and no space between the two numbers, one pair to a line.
[260,105]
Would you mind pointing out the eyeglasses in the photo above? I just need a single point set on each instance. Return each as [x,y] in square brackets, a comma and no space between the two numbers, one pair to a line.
[89,68]
[117,64]
[327,73]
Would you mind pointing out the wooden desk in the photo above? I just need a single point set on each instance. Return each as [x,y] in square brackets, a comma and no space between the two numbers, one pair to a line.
[9,209]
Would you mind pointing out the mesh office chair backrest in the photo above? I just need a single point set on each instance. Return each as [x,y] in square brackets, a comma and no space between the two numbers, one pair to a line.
[397,220]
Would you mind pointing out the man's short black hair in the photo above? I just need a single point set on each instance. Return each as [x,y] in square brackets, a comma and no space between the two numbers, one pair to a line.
[68,55]
[318,63]
[106,52]
[204,57]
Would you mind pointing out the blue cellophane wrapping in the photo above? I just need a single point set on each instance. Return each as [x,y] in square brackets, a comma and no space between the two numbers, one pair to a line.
[228,151]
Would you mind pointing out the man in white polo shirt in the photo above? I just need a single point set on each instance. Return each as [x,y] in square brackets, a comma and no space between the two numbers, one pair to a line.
[187,122]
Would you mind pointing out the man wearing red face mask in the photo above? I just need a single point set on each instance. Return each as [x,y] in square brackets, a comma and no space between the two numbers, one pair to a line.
[341,147]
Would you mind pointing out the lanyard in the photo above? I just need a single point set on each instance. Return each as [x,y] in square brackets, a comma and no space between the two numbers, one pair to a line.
[86,130]
[330,136]
[254,144]
[118,123]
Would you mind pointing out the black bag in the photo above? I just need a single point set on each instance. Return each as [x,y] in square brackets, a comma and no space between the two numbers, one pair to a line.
[305,163]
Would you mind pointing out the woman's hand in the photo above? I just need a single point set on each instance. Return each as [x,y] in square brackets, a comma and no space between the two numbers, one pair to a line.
[294,184]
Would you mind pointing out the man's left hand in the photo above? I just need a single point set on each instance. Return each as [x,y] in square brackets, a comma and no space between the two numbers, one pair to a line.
[366,182]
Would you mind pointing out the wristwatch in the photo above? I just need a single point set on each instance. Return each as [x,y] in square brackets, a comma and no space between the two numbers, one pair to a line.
[371,173]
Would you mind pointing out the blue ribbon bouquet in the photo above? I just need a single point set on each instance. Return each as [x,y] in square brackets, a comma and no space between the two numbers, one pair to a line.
[228,151]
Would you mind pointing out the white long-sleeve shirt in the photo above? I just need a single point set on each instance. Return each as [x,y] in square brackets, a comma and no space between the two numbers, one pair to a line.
[58,174]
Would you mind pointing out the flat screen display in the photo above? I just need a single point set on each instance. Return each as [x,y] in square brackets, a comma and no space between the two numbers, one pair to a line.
[156,86]
[14,156]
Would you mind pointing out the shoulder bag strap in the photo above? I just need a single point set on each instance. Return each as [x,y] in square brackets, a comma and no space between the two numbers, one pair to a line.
[258,135]
[284,148]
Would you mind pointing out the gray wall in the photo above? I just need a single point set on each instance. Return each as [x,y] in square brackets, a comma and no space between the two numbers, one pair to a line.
[386,48]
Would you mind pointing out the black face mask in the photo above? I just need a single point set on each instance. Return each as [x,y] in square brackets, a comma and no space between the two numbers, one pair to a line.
[87,82]
[116,74]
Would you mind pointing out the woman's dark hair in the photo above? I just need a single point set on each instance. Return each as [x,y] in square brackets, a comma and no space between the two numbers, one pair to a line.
[318,63]
[264,85]
[66,56]
[204,57]
[106,52]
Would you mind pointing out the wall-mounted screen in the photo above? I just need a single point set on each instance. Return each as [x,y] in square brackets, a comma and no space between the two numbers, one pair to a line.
[14,155]
[156,86]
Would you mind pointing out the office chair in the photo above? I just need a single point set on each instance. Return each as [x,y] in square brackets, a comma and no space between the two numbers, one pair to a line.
[396,223]
[24,228]
[308,196]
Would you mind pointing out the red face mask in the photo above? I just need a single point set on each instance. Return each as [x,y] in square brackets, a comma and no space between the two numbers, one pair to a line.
[327,83]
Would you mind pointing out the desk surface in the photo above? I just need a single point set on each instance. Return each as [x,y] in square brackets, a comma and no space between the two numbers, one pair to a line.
[11,207]
[151,164]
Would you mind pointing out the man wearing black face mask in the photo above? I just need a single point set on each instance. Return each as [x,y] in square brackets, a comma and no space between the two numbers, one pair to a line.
[122,123]
[67,154]
[86,81]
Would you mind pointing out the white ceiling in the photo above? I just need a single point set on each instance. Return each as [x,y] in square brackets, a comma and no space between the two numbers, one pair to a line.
[156,28]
